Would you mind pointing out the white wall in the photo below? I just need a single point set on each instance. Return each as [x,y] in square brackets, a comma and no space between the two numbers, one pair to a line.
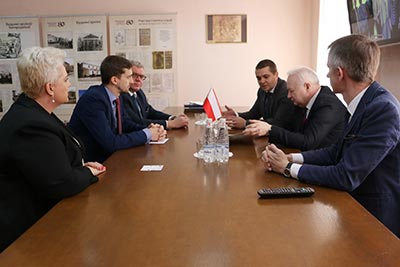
[333,24]
[284,31]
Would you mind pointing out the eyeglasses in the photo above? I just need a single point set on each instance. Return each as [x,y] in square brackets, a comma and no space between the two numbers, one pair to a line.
[140,76]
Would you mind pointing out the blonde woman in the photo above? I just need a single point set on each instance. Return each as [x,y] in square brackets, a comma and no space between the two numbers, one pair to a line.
[40,160]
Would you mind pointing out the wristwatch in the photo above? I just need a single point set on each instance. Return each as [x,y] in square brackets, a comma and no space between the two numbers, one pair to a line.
[286,171]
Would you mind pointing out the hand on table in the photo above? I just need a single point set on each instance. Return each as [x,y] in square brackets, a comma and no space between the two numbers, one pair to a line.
[95,167]
[257,128]
[179,121]
[274,159]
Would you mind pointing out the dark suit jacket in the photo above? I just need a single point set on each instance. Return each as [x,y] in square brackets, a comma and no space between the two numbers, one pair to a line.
[93,121]
[281,112]
[40,163]
[323,127]
[365,161]
[149,114]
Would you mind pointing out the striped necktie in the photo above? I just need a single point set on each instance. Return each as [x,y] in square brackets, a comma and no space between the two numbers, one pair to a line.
[134,99]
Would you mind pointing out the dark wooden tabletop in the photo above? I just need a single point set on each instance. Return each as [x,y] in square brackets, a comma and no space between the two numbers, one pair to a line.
[191,214]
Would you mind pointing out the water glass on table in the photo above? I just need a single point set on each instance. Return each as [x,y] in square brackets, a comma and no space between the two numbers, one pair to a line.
[199,148]
[200,118]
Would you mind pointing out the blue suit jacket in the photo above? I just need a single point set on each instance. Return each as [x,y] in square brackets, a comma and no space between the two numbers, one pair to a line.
[149,114]
[323,127]
[366,160]
[93,121]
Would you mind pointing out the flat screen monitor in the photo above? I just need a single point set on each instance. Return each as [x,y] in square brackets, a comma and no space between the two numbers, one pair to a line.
[377,19]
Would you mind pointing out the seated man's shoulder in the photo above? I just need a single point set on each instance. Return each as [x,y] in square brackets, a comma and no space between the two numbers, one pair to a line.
[91,98]
[281,84]
[281,88]
[141,93]
[330,95]
[125,95]
[92,92]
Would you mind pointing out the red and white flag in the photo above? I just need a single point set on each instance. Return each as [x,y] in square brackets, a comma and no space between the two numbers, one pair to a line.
[211,105]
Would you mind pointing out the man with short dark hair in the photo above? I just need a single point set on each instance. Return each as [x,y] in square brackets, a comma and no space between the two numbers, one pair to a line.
[272,104]
[100,123]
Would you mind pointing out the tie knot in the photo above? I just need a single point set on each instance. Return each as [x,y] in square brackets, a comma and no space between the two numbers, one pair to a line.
[116,101]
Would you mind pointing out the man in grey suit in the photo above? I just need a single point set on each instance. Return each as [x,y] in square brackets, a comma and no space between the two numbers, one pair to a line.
[323,119]
[365,160]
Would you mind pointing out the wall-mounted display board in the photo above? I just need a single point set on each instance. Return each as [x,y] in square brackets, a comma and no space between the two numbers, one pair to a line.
[84,38]
[16,34]
[151,40]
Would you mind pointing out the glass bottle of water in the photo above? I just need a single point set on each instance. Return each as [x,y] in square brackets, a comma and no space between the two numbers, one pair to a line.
[222,142]
[209,143]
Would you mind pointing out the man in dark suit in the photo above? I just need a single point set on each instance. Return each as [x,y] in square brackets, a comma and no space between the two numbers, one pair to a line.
[365,160]
[139,110]
[323,119]
[95,117]
[272,104]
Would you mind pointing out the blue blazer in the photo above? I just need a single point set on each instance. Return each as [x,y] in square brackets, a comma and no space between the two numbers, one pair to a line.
[93,121]
[149,114]
[323,127]
[366,159]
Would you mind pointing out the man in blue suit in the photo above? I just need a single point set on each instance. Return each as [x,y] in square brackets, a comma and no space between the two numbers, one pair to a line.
[365,160]
[95,117]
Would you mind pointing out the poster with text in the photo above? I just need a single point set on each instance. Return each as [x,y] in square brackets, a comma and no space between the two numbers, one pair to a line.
[84,39]
[16,34]
[151,40]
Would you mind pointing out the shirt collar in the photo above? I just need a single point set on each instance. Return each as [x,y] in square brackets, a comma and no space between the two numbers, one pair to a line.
[272,90]
[132,93]
[351,108]
[312,101]
[111,96]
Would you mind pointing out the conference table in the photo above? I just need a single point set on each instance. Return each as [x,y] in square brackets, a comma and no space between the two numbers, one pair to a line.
[196,214]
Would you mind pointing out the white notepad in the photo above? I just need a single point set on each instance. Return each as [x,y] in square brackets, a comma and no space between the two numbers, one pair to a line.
[158,142]
[151,168]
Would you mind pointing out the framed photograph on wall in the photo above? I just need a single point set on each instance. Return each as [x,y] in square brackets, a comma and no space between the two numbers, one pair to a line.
[226,28]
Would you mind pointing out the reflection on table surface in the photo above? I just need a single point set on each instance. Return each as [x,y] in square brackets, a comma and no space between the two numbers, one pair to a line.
[196,214]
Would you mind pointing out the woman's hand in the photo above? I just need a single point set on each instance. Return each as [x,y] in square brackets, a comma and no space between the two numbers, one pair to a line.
[95,167]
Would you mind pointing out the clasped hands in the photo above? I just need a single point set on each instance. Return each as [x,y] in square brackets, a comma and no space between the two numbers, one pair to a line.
[275,159]
[158,133]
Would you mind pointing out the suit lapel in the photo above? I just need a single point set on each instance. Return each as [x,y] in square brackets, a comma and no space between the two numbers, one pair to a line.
[349,129]
[367,97]
[140,100]
[110,107]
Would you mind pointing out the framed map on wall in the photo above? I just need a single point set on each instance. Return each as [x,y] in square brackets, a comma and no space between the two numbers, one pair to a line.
[226,28]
